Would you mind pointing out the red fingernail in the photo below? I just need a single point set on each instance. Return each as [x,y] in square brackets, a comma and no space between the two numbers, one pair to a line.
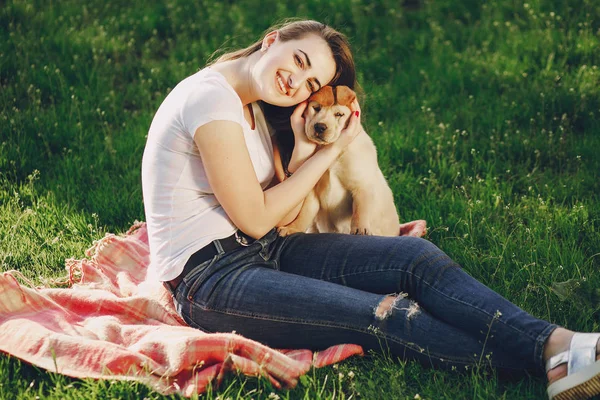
[356,112]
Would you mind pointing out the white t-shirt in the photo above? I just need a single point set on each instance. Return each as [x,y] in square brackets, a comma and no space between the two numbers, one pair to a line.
[182,213]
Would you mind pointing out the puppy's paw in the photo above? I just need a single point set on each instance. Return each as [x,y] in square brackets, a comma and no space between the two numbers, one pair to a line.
[359,225]
[360,231]
[287,230]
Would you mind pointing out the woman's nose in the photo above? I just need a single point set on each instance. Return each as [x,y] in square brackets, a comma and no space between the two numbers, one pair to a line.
[291,82]
[295,80]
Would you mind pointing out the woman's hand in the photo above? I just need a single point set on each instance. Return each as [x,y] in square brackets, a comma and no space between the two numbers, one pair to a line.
[303,148]
[350,132]
[298,126]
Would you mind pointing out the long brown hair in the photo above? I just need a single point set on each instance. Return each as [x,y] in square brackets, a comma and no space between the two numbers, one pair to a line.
[290,29]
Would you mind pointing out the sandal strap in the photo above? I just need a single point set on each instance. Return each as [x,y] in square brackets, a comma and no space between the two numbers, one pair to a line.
[556,360]
[581,353]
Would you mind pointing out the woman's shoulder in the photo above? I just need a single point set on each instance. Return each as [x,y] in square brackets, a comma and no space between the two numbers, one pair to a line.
[210,84]
[207,96]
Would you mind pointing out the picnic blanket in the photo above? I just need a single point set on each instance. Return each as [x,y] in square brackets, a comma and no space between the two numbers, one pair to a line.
[113,324]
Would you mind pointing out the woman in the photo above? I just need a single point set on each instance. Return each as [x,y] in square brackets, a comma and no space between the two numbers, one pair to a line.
[213,212]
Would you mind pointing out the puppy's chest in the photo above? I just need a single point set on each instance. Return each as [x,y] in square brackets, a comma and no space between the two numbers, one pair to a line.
[331,191]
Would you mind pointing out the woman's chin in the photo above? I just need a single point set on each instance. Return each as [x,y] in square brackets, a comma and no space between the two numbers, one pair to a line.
[280,102]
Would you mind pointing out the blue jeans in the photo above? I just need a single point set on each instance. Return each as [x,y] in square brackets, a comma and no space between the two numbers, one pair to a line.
[318,290]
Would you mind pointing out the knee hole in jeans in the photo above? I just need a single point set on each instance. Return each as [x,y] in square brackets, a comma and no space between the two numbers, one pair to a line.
[390,302]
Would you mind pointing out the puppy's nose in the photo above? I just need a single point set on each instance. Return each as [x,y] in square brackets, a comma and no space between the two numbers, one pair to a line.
[320,127]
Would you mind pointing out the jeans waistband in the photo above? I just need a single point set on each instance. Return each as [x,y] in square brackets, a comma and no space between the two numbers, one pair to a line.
[217,246]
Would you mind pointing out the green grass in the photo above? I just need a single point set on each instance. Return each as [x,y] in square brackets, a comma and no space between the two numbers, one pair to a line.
[486,116]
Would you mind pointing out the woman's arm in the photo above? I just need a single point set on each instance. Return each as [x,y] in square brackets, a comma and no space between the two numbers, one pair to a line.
[278,178]
[231,176]
[303,148]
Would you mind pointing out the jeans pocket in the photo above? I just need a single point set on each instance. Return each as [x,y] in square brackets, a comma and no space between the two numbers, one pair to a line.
[192,323]
[198,275]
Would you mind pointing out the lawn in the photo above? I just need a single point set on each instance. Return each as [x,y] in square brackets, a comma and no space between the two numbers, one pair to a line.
[486,116]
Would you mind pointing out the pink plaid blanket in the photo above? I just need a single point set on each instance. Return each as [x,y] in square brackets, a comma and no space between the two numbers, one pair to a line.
[113,324]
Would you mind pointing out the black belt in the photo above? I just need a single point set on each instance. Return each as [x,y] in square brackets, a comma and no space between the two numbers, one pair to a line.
[238,239]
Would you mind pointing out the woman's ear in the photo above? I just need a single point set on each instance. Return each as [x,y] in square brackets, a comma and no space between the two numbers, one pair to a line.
[269,39]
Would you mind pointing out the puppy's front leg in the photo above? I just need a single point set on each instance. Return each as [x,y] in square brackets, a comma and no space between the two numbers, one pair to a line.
[305,218]
[362,204]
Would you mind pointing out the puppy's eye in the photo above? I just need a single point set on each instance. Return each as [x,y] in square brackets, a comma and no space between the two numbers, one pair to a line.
[339,114]
[317,108]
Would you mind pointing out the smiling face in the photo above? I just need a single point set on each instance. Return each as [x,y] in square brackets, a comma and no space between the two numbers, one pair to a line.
[289,72]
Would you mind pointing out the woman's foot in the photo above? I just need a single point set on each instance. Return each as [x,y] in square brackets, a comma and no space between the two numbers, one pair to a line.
[558,342]
[561,371]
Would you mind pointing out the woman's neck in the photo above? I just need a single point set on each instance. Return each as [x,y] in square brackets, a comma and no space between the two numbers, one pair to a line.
[239,75]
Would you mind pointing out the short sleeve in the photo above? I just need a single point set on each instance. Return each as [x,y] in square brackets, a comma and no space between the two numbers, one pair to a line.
[207,101]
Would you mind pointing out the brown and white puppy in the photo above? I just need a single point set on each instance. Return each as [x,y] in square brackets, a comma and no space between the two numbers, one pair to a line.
[353,195]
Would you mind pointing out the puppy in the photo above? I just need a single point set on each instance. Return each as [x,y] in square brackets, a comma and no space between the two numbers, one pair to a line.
[353,195]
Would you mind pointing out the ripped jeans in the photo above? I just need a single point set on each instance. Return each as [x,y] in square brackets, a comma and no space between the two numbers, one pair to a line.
[317,290]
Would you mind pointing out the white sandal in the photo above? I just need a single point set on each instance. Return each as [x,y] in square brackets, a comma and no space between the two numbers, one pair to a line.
[583,371]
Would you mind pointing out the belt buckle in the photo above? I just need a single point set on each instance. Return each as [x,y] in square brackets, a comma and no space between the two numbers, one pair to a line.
[241,239]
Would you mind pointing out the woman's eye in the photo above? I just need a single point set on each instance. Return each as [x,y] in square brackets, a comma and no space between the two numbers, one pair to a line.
[317,108]
[311,87]
[299,61]
[338,114]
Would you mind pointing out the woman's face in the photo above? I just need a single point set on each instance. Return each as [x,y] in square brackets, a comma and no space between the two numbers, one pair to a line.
[289,72]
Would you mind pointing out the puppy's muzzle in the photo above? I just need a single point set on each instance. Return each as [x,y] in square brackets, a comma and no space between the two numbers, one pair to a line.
[320,128]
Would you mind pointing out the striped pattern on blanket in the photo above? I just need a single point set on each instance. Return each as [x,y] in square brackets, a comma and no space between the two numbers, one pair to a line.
[113,324]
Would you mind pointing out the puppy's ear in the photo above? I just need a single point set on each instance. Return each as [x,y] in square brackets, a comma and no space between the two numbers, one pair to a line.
[345,95]
[324,96]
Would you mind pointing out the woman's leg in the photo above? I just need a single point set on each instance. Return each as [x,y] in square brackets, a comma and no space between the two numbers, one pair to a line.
[417,268]
[244,291]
